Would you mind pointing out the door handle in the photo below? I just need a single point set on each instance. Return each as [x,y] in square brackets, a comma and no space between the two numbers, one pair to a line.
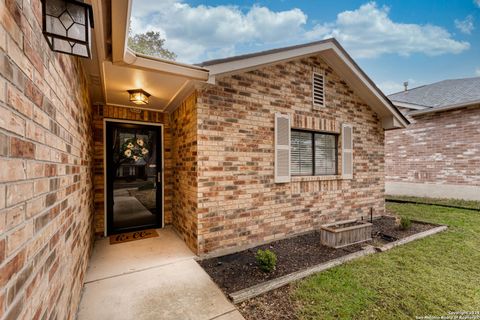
[159,177]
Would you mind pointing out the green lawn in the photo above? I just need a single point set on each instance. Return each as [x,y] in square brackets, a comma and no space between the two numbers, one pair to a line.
[431,276]
[451,202]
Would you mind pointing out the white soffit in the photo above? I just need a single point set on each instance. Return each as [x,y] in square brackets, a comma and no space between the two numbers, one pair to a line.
[162,87]
[166,81]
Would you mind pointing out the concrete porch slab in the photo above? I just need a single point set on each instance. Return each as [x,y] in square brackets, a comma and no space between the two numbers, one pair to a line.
[110,260]
[155,278]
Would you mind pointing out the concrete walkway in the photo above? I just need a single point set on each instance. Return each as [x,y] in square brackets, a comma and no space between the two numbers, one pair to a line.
[155,278]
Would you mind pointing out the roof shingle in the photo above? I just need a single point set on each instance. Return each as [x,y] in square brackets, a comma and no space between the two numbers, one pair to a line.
[441,94]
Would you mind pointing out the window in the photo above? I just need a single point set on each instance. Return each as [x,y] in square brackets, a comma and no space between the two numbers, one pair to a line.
[313,153]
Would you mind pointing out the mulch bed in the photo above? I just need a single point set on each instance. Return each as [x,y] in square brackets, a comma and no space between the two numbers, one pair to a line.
[239,270]
[273,305]
[278,304]
[386,226]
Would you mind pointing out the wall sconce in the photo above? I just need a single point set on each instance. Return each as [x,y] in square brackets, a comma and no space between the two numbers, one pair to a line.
[66,26]
[138,96]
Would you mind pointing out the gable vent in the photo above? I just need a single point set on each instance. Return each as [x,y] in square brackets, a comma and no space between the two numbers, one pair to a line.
[318,90]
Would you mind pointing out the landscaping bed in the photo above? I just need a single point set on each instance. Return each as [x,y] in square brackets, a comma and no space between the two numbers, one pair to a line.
[351,292]
[274,305]
[385,230]
[240,270]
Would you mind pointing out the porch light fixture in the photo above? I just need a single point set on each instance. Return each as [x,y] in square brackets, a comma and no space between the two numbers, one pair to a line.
[66,26]
[139,96]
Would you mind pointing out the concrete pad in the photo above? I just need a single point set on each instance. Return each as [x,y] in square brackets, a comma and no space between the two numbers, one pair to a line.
[116,259]
[180,290]
[232,315]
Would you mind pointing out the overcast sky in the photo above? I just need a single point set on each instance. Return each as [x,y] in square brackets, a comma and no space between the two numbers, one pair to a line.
[393,41]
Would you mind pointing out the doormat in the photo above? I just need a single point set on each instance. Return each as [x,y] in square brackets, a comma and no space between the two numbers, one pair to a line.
[132,236]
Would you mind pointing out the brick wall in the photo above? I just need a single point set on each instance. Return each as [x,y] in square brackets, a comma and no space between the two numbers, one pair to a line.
[238,201]
[441,147]
[45,178]
[184,148]
[119,113]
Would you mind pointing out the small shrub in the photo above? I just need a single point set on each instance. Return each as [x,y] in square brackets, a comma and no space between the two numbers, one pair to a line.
[266,259]
[405,223]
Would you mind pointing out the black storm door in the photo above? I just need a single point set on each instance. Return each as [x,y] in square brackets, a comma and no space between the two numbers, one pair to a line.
[134,177]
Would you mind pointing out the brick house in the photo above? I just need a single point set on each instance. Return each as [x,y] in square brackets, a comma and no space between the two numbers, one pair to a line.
[231,153]
[438,154]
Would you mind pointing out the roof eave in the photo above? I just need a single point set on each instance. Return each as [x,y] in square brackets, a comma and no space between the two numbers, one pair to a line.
[250,62]
[402,104]
[122,55]
[444,108]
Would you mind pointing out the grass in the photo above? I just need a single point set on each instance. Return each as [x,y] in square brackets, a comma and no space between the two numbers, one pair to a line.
[432,276]
[449,202]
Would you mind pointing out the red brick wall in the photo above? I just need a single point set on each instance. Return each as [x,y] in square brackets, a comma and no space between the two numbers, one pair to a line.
[238,202]
[45,171]
[185,167]
[441,147]
[120,113]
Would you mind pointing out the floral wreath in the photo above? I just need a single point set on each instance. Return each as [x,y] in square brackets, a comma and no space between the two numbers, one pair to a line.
[135,149]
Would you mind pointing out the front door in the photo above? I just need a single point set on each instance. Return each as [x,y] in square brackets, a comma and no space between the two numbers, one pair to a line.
[134,177]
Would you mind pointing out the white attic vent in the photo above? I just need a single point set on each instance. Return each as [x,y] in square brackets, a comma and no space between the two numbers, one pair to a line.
[318,90]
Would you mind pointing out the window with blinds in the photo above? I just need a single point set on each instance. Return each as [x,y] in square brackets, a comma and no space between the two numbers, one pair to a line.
[313,153]
[301,163]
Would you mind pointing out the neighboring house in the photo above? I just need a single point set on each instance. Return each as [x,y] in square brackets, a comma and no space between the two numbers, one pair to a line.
[438,154]
[238,151]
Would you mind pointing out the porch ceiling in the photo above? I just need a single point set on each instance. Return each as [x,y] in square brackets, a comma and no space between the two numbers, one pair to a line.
[119,79]
[114,68]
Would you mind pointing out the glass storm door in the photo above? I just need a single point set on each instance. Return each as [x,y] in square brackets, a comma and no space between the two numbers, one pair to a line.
[134,177]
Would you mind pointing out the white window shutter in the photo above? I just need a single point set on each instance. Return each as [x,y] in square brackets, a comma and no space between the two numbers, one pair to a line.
[282,148]
[347,151]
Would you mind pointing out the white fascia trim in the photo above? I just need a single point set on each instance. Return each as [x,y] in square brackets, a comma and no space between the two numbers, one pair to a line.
[164,66]
[446,108]
[261,60]
[409,105]
[251,63]
[370,87]
[122,55]
[100,43]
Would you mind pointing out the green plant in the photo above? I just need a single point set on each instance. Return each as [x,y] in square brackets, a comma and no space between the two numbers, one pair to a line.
[405,223]
[266,259]
[150,43]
